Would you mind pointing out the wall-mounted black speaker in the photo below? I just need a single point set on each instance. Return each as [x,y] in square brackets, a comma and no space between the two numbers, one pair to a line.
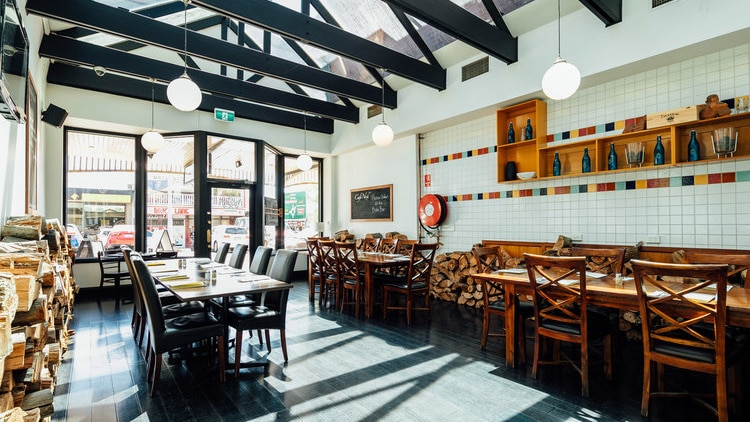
[54,115]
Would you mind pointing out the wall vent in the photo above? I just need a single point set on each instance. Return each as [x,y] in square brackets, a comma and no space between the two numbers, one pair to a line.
[374,110]
[474,69]
[657,3]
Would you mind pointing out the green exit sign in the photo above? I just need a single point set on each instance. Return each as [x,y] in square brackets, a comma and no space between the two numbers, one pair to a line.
[223,115]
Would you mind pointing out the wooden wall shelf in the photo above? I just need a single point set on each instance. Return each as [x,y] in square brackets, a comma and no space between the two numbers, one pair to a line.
[537,155]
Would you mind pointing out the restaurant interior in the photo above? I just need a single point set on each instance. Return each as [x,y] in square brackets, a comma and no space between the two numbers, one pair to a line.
[375,210]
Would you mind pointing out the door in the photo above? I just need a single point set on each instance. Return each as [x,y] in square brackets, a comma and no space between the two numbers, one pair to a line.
[231,216]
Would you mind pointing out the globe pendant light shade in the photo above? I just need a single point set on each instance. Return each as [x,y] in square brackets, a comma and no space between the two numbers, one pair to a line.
[304,162]
[152,142]
[382,135]
[561,80]
[184,94]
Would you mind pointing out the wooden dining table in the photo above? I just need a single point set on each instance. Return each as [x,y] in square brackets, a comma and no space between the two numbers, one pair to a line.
[370,262]
[600,291]
[190,283]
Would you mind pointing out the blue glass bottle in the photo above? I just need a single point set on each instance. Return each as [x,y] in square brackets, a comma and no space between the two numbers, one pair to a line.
[694,152]
[511,134]
[658,152]
[586,162]
[556,165]
[612,159]
[528,132]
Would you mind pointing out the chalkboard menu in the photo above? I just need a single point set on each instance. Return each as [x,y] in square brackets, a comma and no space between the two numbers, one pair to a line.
[372,204]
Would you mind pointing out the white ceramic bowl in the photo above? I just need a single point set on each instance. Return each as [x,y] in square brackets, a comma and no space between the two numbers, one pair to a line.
[526,175]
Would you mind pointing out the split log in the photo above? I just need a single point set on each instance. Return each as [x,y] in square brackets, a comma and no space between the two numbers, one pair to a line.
[37,313]
[39,399]
[24,227]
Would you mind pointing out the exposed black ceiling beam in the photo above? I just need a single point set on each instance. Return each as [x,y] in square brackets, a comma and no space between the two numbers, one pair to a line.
[115,21]
[414,34]
[608,11]
[282,20]
[78,77]
[464,25]
[198,25]
[79,52]
[495,14]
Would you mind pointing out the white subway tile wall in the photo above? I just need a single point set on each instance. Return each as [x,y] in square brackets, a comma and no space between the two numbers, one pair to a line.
[689,214]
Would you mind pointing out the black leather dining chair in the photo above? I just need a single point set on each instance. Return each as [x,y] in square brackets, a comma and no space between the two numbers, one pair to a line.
[169,334]
[221,252]
[269,313]
[110,271]
[238,256]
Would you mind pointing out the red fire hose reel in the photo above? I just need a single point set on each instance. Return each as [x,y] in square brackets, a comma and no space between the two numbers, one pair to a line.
[432,211]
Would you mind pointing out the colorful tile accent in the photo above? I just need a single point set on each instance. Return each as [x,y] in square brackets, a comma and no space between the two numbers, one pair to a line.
[662,182]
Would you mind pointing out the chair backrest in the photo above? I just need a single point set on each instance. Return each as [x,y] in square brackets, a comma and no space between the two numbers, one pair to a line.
[107,264]
[150,296]
[327,257]
[259,263]
[404,246]
[221,252]
[388,245]
[488,259]
[369,244]
[313,255]
[283,265]
[683,312]
[138,303]
[602,260]
[238,256]
[347,265]
[420,263]
[558,286]
[738,264]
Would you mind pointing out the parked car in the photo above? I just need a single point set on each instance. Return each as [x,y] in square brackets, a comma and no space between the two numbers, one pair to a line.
[233,235]
[103,234]
[74,235]
[120,235]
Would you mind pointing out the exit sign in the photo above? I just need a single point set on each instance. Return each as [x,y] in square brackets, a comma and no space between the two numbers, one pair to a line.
[223,115]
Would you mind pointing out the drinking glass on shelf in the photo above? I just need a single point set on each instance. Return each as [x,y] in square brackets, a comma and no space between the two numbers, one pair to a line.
[724,141]
[634,154]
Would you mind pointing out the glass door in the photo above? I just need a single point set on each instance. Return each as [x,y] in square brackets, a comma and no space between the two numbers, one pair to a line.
[231,217]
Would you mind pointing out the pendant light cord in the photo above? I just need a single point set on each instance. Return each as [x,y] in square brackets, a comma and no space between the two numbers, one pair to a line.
[558,29]
[185,33]
[305,130]
[152,104]
[382,96]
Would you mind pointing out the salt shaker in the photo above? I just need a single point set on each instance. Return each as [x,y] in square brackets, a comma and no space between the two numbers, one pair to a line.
[618,280]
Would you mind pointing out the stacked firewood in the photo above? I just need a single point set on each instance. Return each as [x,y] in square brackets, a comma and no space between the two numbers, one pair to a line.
[36,301]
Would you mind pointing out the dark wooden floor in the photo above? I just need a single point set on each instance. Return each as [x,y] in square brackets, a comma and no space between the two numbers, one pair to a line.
[343,368]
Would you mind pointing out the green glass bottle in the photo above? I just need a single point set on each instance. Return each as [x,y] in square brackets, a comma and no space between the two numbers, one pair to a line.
[556,165]
[658,152]
[528,132]
[511,134]
[586,162]
[694,152]
[612,159]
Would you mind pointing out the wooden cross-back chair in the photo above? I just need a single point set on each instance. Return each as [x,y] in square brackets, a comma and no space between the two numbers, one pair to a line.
[314,268]
[350,279]
[388,245]
[561,313]
[684,325]
[738,264]
[489,259]
[330,285]
[369,244]
[416,281]
[602,260]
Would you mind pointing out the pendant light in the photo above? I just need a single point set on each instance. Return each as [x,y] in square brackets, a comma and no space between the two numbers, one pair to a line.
[182,92]
[562,79]
[152,141]
[382,135]
[304,161]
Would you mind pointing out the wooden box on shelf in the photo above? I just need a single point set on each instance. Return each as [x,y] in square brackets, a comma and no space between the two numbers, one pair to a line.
[525,153]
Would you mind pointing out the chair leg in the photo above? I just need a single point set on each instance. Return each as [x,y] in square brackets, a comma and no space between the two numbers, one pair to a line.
[584,369]
[608,352]
[521,334]
[409,305]
[268,339]
[537,352]
[260,337]
[721,395]
[156,373]
[385,302]
[222,361]
[282,334]
[237,352]
[646,386]
[485,328]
